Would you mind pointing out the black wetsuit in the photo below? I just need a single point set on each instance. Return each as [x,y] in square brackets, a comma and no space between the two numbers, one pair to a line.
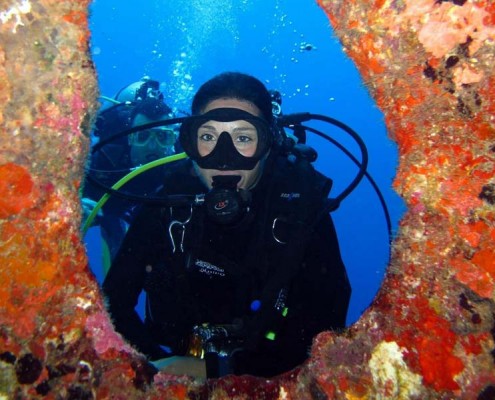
[222,271]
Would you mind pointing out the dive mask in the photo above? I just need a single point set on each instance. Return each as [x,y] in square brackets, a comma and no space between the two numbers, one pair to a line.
[163,136]
[223,154]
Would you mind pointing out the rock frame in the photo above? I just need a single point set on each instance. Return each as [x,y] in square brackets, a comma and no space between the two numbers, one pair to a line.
[430,330]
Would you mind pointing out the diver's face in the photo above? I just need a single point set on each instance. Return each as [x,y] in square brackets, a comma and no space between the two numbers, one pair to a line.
[243,134]
[151,144]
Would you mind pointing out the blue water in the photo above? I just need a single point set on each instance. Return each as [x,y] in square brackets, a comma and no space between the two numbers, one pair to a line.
[290,46]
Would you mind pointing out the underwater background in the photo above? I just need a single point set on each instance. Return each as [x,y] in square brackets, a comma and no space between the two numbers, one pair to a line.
[184,43]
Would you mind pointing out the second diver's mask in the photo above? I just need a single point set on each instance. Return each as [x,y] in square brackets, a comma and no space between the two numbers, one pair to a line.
[162,136]
[224,154]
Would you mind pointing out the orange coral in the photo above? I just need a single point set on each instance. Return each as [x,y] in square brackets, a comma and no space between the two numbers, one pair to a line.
[470,275]
[17,190]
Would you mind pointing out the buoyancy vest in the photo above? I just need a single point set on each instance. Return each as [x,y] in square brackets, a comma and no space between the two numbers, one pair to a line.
[296,198]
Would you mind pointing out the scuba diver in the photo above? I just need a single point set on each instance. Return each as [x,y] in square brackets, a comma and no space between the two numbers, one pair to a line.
[240,280]
[134,105]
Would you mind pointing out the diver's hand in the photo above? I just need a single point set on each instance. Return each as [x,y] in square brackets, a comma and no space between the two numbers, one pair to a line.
[176,365]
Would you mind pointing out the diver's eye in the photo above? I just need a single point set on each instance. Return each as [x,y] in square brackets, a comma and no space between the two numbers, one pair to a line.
[244,139]
[245,135]
[206,137]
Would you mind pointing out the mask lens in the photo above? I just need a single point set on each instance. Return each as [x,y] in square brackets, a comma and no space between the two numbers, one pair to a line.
[164,137]
[227,139]
[141,138]
[242,134]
